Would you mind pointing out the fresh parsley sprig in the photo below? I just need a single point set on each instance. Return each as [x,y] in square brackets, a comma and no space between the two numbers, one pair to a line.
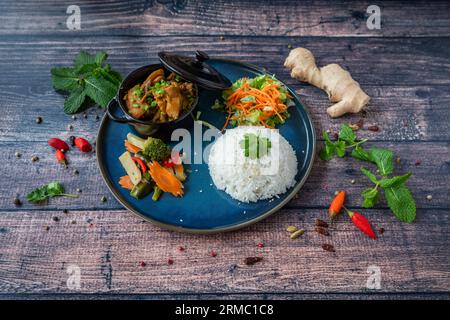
[90,77]
[397,194]
[53,189]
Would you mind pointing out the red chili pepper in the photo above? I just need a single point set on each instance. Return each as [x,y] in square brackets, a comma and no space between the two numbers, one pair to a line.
[337,204]
[61,157]
[58,144]
[141,163]
[83,144]
[362,223]
[168,163]
[172,161]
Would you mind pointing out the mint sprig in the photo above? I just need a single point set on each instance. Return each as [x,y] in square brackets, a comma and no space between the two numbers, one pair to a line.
[346,140]
[90,77]
[397,194]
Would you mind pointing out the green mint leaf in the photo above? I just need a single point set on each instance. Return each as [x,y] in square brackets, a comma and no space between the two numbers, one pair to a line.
[90,77]
[370,197]
[328,150]
[100,57]
[115,75]
[394,181]
[361,154]
[101,91]
[369,174]
[64,79]
[86,69]
[83,58]
[401,202]
[346,134]
[384,159]
[340,148]
[74,101]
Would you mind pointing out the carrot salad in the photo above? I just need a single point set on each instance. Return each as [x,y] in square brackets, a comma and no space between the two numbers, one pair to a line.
[258,101]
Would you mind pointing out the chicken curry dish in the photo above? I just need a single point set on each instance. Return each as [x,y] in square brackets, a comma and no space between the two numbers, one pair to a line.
[160,98]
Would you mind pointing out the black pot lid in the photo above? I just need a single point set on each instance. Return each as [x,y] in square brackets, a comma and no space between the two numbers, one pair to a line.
[195,70]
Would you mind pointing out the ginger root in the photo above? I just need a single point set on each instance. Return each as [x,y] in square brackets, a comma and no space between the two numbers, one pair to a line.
[337,82]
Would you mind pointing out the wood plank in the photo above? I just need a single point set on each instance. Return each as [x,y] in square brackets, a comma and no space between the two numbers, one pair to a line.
[413,257]
[430,177]
[229,296]
[372,61]
[272,18]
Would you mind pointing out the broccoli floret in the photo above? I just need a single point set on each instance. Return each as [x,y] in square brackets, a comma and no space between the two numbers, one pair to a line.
[155,149]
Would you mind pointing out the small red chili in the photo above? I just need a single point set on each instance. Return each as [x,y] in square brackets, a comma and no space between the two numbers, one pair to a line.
[362,223]
[181,248]
[83,144]
[58,144]
[172,161]
[141,163]
[213,254]
[169,261]
[142,264]
[337,204]
[168,163]
[61,157]
[260,245]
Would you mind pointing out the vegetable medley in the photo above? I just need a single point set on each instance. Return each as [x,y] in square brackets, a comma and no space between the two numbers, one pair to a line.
[151,166]
[262,100]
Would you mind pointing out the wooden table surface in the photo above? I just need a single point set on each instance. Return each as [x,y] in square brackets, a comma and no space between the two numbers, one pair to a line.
[404,67]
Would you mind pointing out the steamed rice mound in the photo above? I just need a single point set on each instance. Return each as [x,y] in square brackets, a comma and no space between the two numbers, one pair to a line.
[250,180]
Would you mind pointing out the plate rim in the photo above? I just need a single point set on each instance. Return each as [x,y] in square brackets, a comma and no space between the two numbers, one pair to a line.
[241,225]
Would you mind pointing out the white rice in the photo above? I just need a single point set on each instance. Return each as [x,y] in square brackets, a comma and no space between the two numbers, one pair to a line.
[250,180]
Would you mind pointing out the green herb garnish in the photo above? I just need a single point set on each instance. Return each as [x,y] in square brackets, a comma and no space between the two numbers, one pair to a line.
[255,146]
[346,139]
[53,189]
[90,78]
[397,194]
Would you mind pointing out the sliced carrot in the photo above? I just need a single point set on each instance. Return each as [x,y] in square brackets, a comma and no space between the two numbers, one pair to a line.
[125,182]
[179,172]
[131,148]
[266,100]
[165,180]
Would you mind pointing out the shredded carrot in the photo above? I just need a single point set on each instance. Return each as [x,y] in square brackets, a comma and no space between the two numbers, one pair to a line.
[165,179]
[131,148]
[125,182]
[267,100]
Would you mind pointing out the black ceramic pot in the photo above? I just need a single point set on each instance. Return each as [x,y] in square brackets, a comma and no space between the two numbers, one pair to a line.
[117,109]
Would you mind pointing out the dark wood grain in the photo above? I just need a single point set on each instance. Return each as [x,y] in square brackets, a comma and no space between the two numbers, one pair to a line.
[403,67]
[370,295]
[262,18]
[371,61]
[412,257]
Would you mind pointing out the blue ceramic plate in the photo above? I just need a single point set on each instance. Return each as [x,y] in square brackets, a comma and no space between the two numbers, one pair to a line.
[203,208]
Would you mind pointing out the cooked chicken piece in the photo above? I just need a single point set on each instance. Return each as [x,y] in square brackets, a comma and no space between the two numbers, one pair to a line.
[135,109]
[151,79]
[174,101]
[187,87]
